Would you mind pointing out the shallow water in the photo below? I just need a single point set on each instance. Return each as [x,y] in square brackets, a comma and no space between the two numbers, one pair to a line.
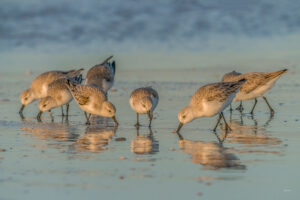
[257,160]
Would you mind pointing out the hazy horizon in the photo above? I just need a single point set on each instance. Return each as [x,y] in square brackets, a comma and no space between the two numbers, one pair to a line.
[155,34]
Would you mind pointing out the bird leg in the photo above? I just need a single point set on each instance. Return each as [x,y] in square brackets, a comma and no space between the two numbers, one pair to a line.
[150,115]
[271,109]
[240,107]
[137,131]
[38,117]
[137,120]
[87,118]
[67,111]
[255,101]
[50,113]
[219,119]
[227,126]
[62,111]
[67,105]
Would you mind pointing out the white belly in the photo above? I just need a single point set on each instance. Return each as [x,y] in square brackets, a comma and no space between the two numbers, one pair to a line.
[66,98]
[136,107]
[258,92]
[211,108]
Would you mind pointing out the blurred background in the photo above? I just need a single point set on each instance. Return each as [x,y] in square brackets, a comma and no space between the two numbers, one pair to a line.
[159,34]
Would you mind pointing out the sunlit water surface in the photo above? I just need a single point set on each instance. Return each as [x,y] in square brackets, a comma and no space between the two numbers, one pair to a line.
[50,160]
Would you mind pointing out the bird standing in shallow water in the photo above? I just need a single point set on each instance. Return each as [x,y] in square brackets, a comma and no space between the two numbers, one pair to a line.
[92,100]
[257,84]
[58,95]
[208,101]
[39,86]
[101,76]
[144,101]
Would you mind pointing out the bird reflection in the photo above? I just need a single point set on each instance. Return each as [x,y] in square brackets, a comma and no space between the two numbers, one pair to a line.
[95,139]
[253,135]
[101,121]
[211,155]
[144,144]
[47,131]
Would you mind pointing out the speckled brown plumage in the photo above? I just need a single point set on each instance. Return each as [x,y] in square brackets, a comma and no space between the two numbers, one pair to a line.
[257,79]
[139,93]
[216,92]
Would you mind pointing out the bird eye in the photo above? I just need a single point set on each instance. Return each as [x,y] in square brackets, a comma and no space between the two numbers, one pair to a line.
[26,98]
[183,117]
[44,105]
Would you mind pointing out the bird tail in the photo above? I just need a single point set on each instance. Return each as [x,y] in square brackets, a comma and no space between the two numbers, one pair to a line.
[106,60]
[75,75]
[71,84]
[276,74]
[113,65]
[74,72]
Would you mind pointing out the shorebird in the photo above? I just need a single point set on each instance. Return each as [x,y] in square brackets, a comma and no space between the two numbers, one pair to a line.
[208,101]
[229,77]
[143,101]
[39,86]
[102,75]
[92,100]
[257,84]
[58,95]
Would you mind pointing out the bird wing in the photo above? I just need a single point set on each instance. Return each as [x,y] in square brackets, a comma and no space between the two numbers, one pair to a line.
[216,91]
[254,80]
[100,72]
[84,93]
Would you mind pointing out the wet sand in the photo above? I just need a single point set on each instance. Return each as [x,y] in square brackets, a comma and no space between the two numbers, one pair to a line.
[257,160]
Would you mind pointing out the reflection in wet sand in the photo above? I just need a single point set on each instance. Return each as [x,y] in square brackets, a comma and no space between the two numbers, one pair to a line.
[95,139]
[102,121]
[144,144]
[252,135]
[209,154]
[56,131]
[51,132]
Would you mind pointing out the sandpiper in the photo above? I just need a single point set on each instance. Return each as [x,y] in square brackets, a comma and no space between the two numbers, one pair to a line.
[39,86]
[144,101]
[208,101]
[257,84]
[58,95]
[102,75]
[92,100]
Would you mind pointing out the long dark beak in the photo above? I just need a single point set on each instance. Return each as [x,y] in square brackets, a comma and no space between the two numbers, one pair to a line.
[38,117]
[179,127]
[21,112]
[21,109]
[115,120]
